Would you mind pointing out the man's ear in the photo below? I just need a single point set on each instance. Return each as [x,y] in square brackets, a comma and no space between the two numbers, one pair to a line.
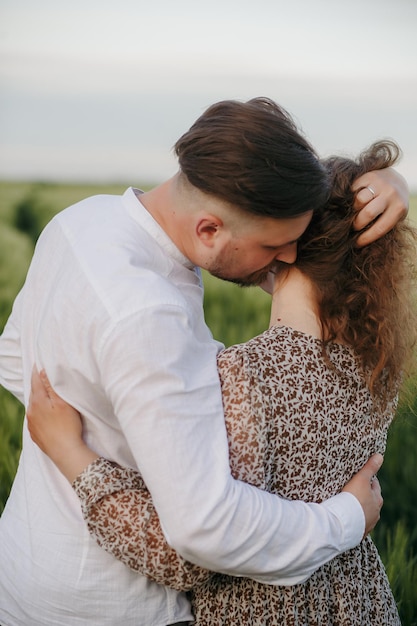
[209,229]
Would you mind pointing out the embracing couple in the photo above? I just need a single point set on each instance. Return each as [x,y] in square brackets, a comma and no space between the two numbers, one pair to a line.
[229,486]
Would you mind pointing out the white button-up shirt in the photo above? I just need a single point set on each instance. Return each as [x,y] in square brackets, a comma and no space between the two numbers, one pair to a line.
[114,313]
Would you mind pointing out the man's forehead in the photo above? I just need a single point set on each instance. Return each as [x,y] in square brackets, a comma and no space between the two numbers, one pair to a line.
[274,230]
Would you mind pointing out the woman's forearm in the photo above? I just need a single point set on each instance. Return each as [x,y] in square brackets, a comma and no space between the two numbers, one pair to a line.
[121,517]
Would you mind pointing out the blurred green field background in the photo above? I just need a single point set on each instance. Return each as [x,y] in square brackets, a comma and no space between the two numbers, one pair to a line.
[234,315]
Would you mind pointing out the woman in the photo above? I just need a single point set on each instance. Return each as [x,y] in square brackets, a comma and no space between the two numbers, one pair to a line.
[306,403]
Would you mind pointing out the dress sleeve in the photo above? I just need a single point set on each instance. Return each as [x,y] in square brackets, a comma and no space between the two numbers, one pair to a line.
[121,517]
[246,412]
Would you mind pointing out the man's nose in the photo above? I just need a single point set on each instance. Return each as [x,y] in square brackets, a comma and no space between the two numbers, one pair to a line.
[288,254]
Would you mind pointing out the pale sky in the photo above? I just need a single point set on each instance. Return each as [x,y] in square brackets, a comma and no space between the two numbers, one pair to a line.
[99,90]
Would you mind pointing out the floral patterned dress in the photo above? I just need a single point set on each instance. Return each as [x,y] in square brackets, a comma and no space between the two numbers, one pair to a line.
[299,425]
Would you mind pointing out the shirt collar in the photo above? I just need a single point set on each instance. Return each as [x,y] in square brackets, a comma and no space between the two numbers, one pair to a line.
[139,213]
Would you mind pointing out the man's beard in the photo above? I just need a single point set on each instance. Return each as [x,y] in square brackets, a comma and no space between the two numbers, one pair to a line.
[260,277]
[251,280]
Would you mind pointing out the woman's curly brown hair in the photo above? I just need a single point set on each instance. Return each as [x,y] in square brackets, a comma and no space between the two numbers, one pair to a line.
[366,295]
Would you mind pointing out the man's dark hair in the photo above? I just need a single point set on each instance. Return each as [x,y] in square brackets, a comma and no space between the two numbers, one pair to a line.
[251,154]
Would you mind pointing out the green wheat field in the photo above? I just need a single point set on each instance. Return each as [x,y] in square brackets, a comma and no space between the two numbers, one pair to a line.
[234,315]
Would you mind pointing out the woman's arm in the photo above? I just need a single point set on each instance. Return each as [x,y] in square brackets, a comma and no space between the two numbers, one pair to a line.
[115,503]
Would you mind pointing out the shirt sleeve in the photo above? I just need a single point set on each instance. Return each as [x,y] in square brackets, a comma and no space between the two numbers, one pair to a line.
[121,517]
[11,365]
[173,419]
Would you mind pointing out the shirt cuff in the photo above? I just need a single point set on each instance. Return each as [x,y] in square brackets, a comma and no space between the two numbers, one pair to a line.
[348,510]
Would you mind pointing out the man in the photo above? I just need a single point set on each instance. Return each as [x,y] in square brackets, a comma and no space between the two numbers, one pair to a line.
[112,309]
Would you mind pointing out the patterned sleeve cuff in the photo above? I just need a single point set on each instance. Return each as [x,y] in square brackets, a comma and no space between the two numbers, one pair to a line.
[102,478]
